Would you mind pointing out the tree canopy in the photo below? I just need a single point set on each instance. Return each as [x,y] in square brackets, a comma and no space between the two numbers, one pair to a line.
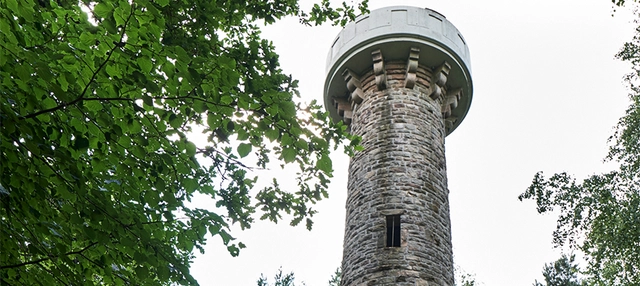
[462,278]
[280,279]
[600,215]
[97,103]
[562,272]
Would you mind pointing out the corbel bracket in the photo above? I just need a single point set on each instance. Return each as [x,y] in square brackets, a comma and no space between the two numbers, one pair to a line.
[451,101]
[439,80]
[379,70]
[412,68]
[448,122]
[353,85]
[344,109]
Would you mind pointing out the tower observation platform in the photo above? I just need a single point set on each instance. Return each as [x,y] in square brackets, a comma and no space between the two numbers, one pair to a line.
[395,31]
[400,77]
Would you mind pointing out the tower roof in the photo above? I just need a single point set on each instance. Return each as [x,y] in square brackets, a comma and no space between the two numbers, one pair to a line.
[394,31]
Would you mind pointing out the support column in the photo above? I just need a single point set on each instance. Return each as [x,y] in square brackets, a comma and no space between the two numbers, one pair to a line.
[401,172]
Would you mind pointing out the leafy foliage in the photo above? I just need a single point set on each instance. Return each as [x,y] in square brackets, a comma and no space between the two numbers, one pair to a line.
[97,100]
[336,277]
[601,215]
[467,280]
[464,278]
[563,272]
[618,2]
[280,279]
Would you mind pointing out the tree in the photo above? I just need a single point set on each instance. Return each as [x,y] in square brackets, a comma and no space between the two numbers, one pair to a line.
[563,272]
[97,103]
[336,277]
[289,279]
[600,216]
[279,279]
[465,278]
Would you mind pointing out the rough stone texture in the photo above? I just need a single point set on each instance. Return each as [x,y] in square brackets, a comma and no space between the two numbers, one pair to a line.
[400,171]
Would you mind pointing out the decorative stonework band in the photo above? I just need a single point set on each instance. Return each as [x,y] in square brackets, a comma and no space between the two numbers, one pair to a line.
[434,83]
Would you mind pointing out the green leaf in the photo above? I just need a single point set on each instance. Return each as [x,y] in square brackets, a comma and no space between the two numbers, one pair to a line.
[286,140]
[3,55]
[93,105]
[244,149]
[81,143]
[288,154]
[200,106]
[233,250]
[272,134]
[190,148]
[63,83]
[12,5]
[241,133]
[112,70]
[49,103]
[325,164]
[145,64]
[226,99]
[147,100]
[175,121]
[162,3]
[125,141]
[142,272]
[103,10]
[213,120]
[190,185]
[163,272]
[183,56]
[120,15]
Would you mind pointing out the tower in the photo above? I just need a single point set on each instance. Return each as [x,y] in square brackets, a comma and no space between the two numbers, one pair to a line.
[401,78]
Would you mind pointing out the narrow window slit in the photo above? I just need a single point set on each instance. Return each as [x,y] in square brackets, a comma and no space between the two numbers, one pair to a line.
[393,231]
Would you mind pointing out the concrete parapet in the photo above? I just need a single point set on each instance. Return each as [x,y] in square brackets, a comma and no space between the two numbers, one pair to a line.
[422,37]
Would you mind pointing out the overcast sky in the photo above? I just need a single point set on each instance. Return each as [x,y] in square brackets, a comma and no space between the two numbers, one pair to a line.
[547,93]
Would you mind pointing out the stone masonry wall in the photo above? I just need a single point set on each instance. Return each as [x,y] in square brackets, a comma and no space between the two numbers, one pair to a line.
[400,171]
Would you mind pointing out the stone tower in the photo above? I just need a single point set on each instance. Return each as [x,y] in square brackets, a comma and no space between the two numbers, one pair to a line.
[401,78]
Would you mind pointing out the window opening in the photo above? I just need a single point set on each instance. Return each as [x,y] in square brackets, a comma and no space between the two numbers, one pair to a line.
[393,231]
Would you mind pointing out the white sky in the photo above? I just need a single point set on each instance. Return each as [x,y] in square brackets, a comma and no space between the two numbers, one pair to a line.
[547,93]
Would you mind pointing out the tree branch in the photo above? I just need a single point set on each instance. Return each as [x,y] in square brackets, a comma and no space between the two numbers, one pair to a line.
[48,258]
[93,77]
[86,87]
